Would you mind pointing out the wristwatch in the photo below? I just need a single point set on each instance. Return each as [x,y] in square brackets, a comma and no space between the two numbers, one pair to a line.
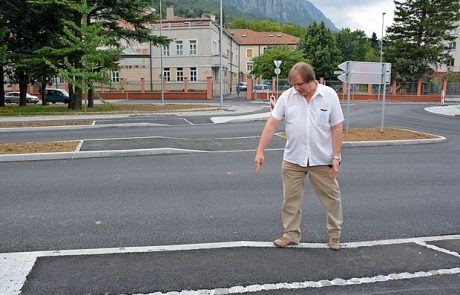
[337,158]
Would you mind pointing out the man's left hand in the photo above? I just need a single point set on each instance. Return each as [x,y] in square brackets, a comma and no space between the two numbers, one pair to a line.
[335,169]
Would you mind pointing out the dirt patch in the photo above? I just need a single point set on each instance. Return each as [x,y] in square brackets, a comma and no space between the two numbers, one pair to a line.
[38,147]
[45,123]
[164,108]
[374,134]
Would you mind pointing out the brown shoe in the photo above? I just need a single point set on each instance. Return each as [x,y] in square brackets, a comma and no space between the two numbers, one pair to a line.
[334,244]
[283,242]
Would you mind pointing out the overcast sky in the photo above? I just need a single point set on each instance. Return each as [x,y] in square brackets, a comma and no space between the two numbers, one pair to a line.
[365,15]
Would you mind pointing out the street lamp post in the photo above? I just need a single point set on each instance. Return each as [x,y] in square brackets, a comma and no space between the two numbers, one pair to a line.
[220,57]
[381,51]
[161,59]
[150,63]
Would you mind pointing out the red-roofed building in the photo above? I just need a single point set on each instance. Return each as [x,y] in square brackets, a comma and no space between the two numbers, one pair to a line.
[253,44]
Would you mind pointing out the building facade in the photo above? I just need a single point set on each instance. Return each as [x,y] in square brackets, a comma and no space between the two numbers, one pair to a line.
[193,55]
[253,44]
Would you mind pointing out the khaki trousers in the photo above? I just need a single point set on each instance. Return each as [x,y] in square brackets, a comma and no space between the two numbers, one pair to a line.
[326,189]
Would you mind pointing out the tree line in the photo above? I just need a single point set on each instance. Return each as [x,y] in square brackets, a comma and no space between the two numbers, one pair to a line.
[79,42]
[75,40]
[418,43]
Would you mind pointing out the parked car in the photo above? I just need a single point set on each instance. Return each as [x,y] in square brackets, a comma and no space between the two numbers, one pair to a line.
[243,86]
[262,88]
[54,95]
[13,97]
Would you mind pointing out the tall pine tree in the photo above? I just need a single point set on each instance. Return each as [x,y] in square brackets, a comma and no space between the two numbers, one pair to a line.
[418,41]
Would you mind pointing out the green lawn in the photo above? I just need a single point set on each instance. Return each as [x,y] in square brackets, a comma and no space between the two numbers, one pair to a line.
[61,109]
[38,109]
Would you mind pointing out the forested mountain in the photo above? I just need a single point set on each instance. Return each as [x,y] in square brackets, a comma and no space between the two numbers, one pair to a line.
[299,12]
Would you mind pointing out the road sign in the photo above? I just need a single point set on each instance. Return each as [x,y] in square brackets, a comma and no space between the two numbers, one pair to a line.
[338,72]
[277,63]
[343,66]
[277,71]
[365,72]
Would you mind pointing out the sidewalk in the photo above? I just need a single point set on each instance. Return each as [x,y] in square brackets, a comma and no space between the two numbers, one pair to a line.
[448,110]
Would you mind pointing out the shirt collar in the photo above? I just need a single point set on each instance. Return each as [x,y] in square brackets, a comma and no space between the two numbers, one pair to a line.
[318,91]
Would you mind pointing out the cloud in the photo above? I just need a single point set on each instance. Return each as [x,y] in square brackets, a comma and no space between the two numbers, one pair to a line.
[358,14]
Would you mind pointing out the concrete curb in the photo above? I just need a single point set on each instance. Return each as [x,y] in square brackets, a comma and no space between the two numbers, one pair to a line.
[440,139]
[169,151]
[252,117]
[233,109]
[93,154]
[75,127]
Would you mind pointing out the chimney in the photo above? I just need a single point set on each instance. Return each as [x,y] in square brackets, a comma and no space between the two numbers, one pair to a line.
[170,12]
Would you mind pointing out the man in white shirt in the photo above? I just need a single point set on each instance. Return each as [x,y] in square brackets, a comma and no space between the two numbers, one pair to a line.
[313,119]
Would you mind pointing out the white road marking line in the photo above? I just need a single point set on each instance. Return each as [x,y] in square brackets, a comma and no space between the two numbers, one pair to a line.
[14,267]
[13,272]
[439,249]
[188,121]
[79,146]
[315,284]
[168,137]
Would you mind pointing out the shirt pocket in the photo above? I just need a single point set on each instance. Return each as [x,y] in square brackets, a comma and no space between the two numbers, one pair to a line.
[322,117]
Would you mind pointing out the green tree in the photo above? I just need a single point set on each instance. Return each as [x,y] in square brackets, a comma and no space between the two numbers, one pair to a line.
[91,45]
[266,26]
[320,48]
[418,41]
[264,66]
[123,19]
[352,44]
[2,64]
[375,43]
[371,53]
[34,29]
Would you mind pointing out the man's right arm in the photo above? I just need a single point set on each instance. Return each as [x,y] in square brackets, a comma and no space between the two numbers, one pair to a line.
[267,134]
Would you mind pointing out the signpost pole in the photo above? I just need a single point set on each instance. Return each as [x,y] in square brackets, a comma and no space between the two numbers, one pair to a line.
[277,72]
[383,83]
[348,99]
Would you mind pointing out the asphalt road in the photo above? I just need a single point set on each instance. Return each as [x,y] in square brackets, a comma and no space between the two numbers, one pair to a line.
[395,192]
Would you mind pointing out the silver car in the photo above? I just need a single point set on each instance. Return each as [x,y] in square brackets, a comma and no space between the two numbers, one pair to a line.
[13,97]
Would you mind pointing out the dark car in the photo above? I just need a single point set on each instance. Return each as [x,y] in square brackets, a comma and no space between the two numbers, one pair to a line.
[57,95]
[13,97]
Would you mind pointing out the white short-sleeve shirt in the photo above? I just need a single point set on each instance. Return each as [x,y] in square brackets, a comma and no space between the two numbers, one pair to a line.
[308,125]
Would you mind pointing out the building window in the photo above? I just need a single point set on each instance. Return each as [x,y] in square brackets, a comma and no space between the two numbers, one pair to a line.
[452,45]
[193,74]
[166,50]
[115,76]
[192,47]
[451,62]
[249,66]
[179,48]
[249,53]
[180,74]
[166,74]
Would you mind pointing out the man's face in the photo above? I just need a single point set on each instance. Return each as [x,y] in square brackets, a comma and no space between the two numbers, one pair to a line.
[299,85]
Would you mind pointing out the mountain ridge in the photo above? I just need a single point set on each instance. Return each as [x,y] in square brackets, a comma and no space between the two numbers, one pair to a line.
[298,12]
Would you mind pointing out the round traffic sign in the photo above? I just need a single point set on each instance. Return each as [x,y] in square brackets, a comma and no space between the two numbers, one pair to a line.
[277,71]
